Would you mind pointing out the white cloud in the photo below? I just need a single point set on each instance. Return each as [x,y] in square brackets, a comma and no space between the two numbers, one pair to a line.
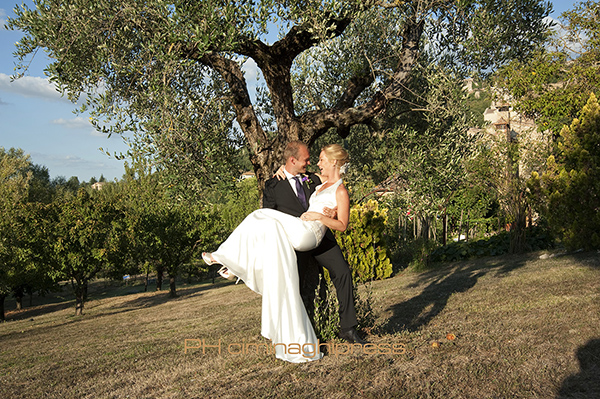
[30,86]
[556,22]
[251,70]
[64,161]
[252,73]
[75,123]
[73,165]
[561,35]
[79,123]
[2,19]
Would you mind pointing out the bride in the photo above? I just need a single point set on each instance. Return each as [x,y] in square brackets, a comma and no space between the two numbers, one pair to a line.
[261,252]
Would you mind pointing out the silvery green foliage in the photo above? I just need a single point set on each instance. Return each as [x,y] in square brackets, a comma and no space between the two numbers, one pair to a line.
[170,73]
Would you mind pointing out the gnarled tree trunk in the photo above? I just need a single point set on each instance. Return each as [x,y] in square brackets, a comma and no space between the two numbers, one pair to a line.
[275,62]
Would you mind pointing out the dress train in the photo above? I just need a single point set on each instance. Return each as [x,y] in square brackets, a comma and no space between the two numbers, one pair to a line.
[261,252]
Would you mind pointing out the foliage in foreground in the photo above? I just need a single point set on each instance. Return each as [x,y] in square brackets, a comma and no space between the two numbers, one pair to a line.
[326,319]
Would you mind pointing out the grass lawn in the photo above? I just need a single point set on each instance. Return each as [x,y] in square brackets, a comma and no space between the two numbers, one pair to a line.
[523,327]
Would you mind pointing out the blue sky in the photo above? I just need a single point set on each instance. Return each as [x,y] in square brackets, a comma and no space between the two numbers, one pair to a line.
[35,118]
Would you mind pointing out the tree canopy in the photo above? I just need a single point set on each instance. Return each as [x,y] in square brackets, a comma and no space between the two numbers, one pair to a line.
[569,189]
[14,184]
[172,71]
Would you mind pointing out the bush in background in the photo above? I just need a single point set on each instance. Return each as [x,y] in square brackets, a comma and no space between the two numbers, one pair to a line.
[536,238]
[364,244]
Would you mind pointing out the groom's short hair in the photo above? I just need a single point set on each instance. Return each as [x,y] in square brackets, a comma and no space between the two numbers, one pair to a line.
[292,149]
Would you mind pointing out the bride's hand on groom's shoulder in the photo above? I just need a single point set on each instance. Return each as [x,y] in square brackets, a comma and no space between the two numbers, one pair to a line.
[280,174]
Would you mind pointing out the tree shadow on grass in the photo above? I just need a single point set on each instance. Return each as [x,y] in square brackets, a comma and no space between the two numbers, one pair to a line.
[142,299]
[586,383]
[35,311]
[156,298]
[589,259]
[440,284]
[160,297]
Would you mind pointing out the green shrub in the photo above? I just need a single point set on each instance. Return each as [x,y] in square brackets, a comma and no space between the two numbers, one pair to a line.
[568,192]
[536,238]
[364,244]
[326,317]
[363,304]
[420,254]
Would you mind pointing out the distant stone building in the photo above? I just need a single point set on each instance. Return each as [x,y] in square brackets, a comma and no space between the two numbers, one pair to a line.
[510,126]
[98,185]
[504,120]
[246,175]
[504,123]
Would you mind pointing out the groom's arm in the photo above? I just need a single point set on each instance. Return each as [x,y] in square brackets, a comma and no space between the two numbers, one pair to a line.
[269,194]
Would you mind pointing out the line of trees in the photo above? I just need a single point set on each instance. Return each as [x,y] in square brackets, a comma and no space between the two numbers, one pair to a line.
[56,231]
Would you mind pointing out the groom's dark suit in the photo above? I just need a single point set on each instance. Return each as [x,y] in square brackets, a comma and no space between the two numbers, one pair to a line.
[279,195]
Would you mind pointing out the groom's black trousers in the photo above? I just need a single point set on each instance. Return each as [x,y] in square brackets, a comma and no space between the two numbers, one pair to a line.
[330,256]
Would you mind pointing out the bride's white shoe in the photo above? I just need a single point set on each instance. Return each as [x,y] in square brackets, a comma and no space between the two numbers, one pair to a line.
[223,271]
[207,258]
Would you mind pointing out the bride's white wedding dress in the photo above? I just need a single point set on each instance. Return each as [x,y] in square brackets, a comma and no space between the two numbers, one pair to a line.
[260,251]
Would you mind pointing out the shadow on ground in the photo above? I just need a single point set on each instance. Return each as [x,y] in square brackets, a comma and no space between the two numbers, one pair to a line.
[160,297]
[101,290]
[586,383]
[439,285]
[35,311]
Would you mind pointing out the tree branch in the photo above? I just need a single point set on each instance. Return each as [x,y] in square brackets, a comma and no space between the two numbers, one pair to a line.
[296,41]
[276,61]
[356,85]
[246,117]
[343,115]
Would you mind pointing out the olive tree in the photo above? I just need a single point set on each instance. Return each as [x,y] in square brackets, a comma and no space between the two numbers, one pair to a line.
[172,71]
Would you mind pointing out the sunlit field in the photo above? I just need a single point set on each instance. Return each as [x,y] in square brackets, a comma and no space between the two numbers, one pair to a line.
[510,326]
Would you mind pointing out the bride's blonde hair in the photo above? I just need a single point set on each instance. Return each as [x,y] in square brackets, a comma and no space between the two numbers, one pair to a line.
[335,152]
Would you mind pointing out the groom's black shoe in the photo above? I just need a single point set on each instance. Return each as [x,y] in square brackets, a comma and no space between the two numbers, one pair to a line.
[350,335]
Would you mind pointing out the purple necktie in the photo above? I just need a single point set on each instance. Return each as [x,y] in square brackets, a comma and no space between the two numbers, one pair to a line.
[300,192]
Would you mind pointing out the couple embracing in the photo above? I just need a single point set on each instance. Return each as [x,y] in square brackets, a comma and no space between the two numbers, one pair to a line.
[294,223]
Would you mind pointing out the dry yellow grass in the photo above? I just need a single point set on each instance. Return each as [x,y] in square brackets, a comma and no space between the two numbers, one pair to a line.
[494,328]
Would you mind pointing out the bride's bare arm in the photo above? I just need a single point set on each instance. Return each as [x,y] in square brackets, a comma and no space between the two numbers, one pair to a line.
[280,174]
[343,212]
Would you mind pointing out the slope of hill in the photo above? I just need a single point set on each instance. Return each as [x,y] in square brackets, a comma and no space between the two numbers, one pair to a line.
[510,326]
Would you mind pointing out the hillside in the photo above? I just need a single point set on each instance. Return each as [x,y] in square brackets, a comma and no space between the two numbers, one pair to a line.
[522,327]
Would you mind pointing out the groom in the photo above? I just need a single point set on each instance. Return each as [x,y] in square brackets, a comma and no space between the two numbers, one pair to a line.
[283,196]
